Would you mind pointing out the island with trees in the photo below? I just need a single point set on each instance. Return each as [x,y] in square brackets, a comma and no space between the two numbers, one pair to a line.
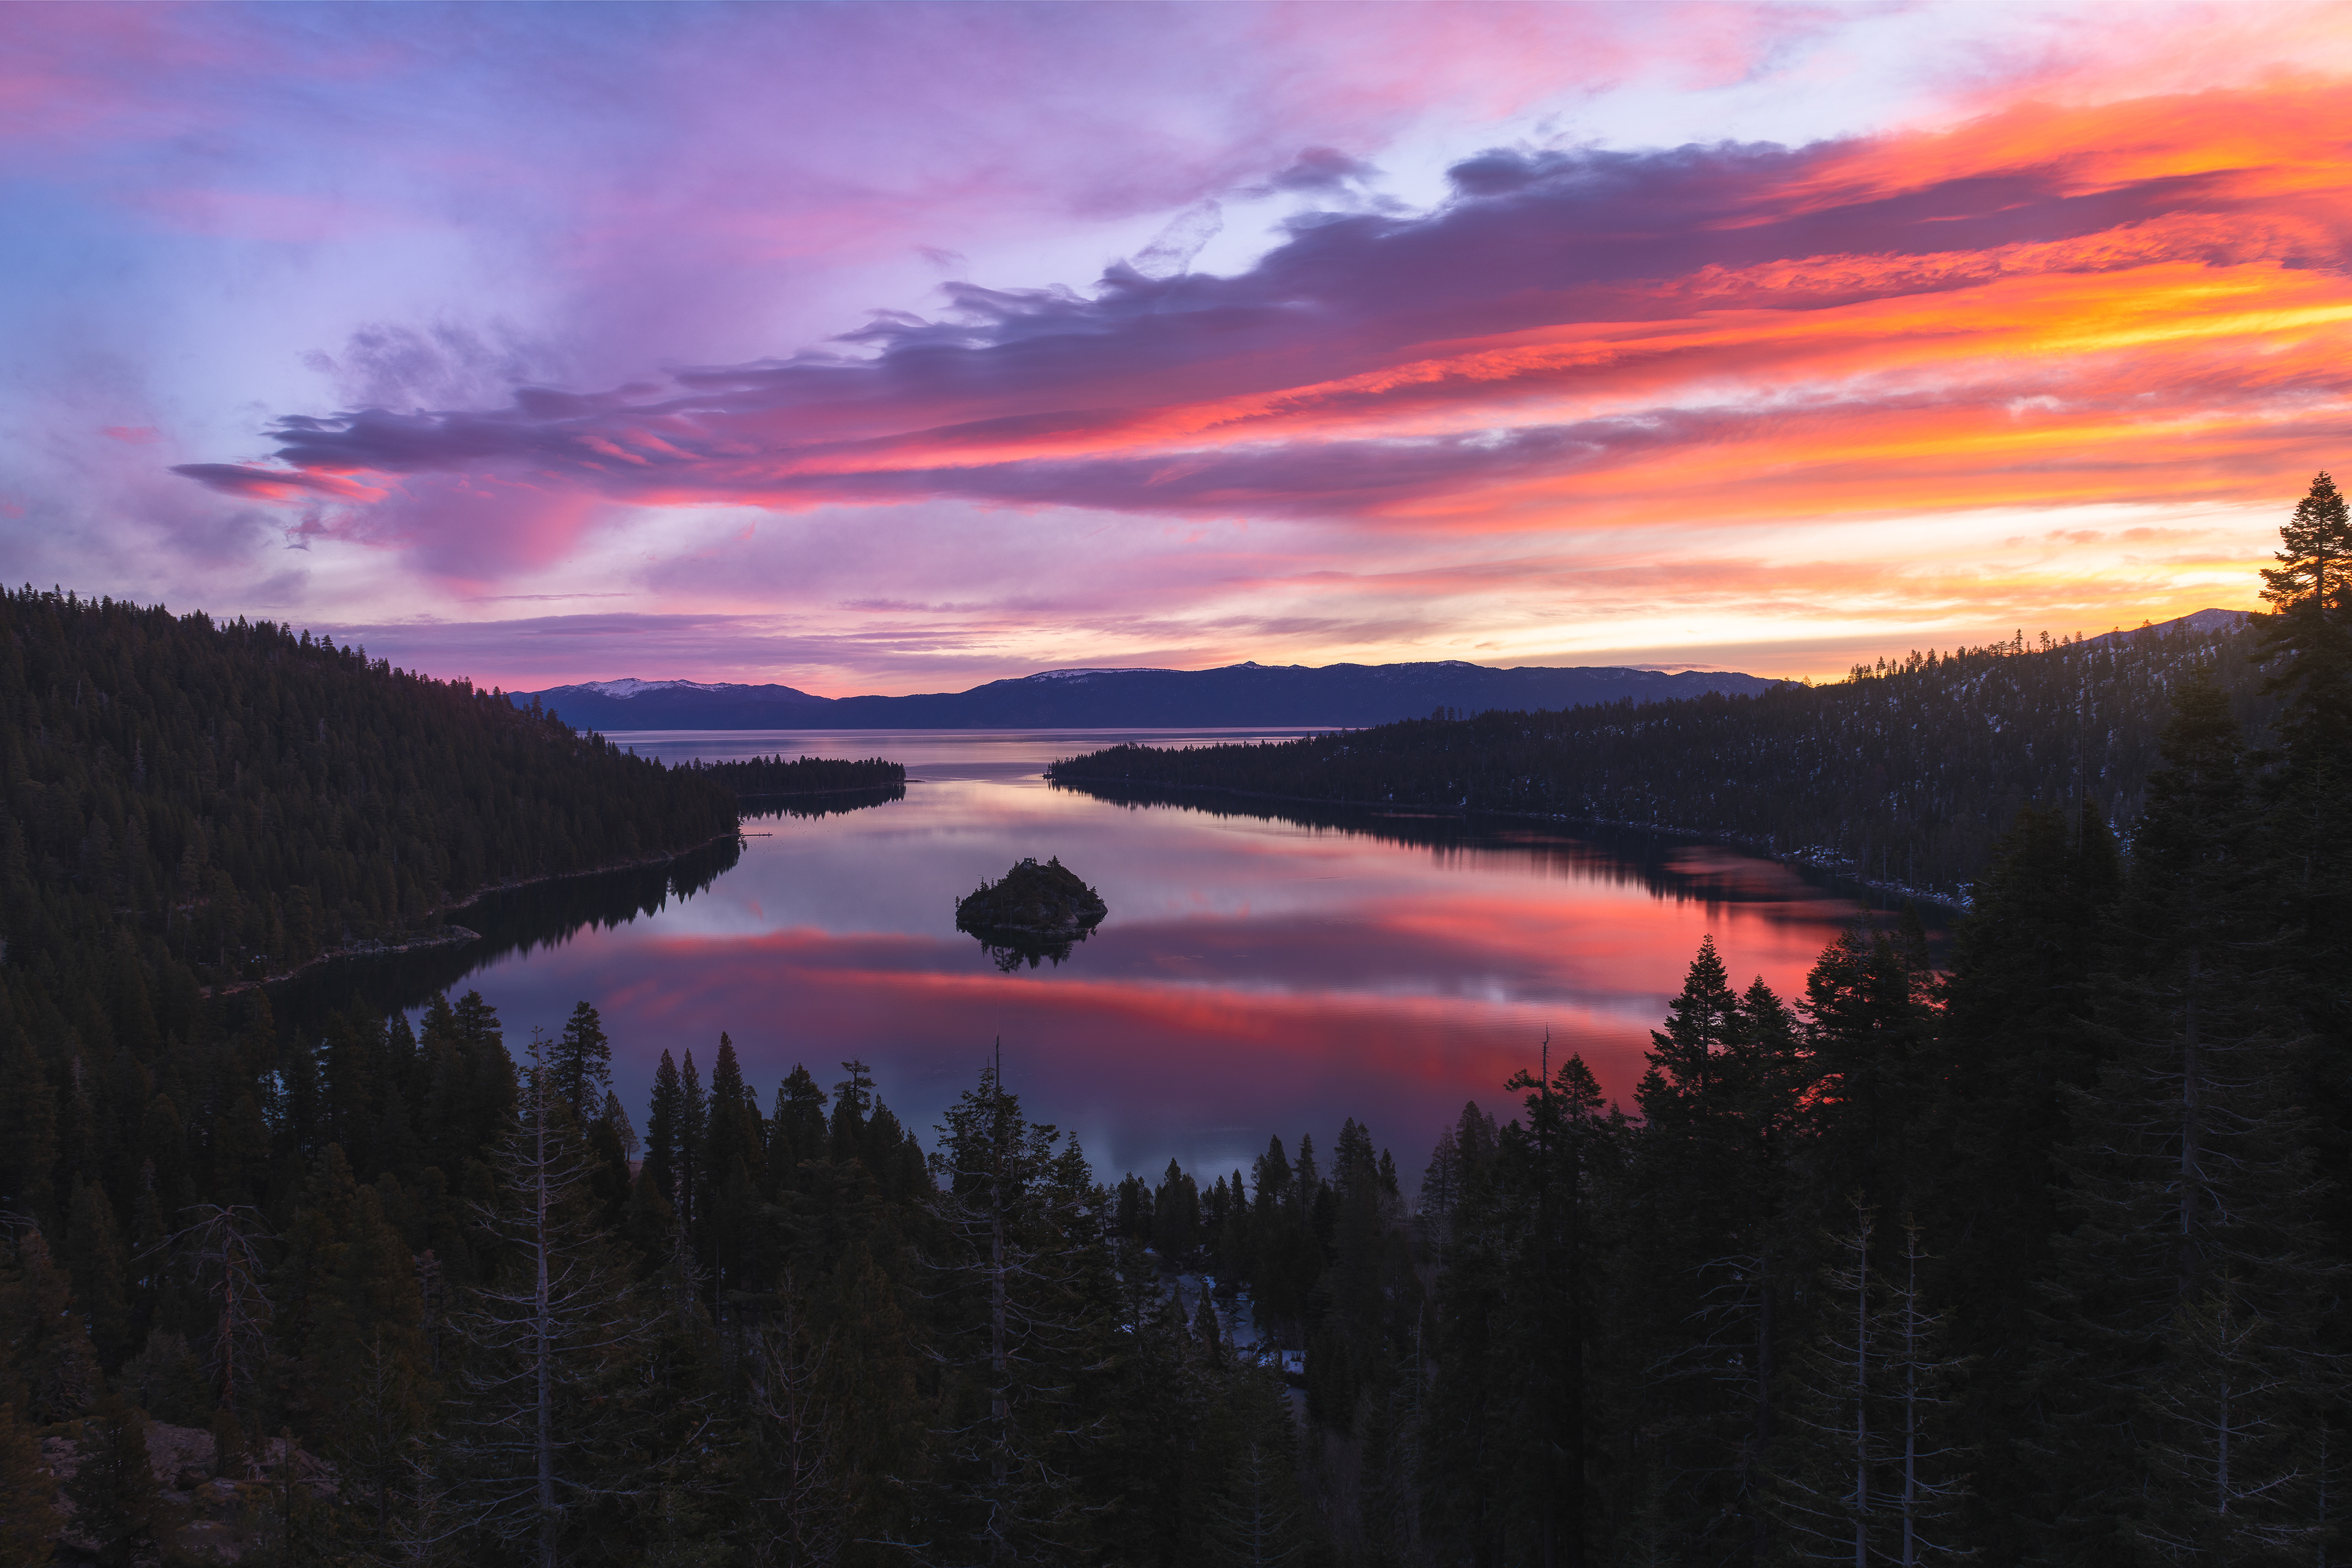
[772,777]
[2036,1255]
[1035,911]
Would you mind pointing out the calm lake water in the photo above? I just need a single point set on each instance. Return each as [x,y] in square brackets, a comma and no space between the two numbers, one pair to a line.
[1263,969]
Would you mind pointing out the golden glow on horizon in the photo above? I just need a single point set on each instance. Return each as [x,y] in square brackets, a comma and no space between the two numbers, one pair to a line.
[1781,466]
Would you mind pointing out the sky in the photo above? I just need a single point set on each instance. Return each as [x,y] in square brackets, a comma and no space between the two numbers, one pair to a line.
[902,347]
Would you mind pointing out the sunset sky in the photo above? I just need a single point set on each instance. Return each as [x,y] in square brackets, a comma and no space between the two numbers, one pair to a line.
[900,347]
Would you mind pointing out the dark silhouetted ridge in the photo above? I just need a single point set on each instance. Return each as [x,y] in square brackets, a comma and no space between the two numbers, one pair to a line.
[1237,695]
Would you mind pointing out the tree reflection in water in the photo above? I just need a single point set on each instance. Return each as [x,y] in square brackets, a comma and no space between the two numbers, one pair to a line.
[1007,949]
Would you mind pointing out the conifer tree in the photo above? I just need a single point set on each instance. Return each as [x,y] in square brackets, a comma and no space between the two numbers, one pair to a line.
[219,1254]
[1254,1516]
[1712,1250]
[664,1127]
[2192,1191]
[1869,1016]
[51,1366]
[2307,638]
[610,1142]
[1176,1215]
[28,1515]
[806,1460]
[615,1116]
[796,1133]
[1866,1469]
[2307,838]
[116,1502]
[166,1380]
[387,1411]
[693,1124]
[854,1102]
[29,1135]
[470,1090]
[1518,1311]
[733,1163]
[546,1401]
[582,1061]
[2014,1043]
[872,1385]
[351,1293]
[96,1260]
[1012,1197]
[2233,1444]
[353,1083]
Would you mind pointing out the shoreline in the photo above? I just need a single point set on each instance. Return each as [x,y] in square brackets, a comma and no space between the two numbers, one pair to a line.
[457,935]
[1957,902]
[805,793]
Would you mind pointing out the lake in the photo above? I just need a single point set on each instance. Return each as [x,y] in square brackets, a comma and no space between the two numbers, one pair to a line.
[1264,968]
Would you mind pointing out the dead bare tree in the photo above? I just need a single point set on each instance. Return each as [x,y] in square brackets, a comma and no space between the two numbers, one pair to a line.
[221,1250]
[805,1504]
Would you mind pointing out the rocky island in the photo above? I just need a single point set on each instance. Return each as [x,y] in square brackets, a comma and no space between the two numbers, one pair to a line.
[1036,911]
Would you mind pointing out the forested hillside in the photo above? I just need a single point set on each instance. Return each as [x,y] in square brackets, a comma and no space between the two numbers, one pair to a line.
[1908,772]
[2039,1260]
[189,803]
[1249,694]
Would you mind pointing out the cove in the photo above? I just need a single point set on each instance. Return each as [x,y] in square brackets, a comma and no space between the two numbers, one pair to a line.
[1265,967]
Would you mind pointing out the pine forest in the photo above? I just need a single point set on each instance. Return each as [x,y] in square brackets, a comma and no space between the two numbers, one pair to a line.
[1905,774]
[2031,1253]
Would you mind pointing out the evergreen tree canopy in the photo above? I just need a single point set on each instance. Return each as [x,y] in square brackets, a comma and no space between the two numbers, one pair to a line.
[1907,774]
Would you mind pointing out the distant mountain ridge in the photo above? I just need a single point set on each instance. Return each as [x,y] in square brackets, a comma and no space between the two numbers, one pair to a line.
[1247,695]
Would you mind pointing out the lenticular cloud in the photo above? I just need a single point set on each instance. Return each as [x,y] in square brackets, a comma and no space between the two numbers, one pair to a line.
[2048,302]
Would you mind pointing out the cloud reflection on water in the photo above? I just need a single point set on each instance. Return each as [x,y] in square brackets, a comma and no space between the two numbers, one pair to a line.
[1257,974]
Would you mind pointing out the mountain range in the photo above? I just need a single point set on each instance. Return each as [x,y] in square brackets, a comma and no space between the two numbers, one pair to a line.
[1237,695]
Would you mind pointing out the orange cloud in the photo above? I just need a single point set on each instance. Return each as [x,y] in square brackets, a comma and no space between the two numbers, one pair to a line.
[2145,302]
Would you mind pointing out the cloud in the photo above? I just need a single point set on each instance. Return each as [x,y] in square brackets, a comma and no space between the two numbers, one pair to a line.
[2023,303]
[1319,171]
[1172,252]
[274,484]
[1411,304]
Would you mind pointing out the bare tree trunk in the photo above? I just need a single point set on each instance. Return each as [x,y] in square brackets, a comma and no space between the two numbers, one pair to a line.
[1000,1405]
[1548,1537]
[2222,1456]
[2193,1133]
[1573,1403]
[2323,1493]
[228,1337]
[1760,1540]
[542,1346]
[1911,1408]
[1862,1401]
[225,1238]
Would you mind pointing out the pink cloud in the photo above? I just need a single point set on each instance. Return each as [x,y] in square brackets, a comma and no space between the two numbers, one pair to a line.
[277,484]
[2076,276]
[1572,327]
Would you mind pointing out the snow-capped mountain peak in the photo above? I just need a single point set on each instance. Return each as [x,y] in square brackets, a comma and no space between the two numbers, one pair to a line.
[1082,673]
[623,689]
